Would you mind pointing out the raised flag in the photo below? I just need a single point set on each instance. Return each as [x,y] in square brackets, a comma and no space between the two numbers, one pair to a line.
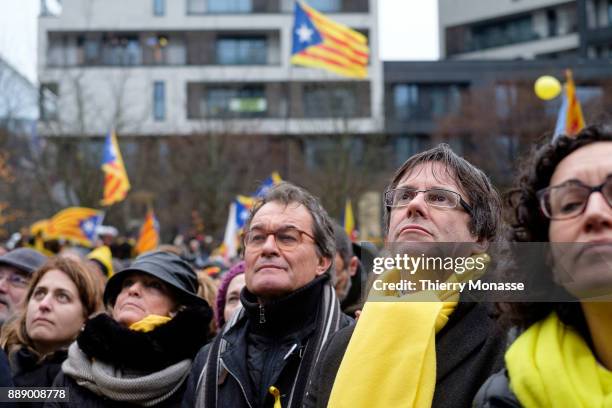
[570,120]
[116,182]
[76,224]
[148,239]
[320,42]
[349,221]
[268,183]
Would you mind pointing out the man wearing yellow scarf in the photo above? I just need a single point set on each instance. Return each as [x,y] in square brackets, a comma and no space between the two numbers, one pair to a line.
[426,348]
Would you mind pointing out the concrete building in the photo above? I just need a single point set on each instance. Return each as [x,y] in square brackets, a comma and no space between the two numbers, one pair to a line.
[177,67]
[525,29]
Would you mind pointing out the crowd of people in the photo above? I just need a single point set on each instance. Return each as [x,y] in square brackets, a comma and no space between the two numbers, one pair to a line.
[294,323]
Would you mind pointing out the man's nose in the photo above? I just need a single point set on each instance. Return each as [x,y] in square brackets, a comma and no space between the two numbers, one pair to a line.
[417,206]
[269,245]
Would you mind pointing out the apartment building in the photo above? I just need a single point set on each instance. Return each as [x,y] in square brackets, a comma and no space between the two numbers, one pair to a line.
[178,67]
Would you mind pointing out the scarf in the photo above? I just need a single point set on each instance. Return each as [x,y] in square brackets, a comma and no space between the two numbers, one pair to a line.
[329,320]
[390,360]
[149,323]
[551,365]
[118,385]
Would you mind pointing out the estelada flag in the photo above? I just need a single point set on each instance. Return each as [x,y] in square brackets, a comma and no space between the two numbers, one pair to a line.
[570,120]
[148,239]
[116,182]
[321,42]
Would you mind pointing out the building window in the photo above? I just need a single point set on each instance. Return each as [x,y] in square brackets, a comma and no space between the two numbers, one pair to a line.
[610,12]
[326,6]
[241,51]
[244,102]
[159,7]
[330,101]
[159,100]
[48,100]
[50,8]
[196,6]
[230,6]
[121,50]
[425,101]
[553,27]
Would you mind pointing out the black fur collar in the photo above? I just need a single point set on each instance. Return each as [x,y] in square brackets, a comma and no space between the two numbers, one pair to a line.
[182,337]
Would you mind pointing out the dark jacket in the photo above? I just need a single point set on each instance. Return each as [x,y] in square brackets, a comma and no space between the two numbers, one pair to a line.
[28,371]
[105,340]
[496,393]
[264,345]
[468,350]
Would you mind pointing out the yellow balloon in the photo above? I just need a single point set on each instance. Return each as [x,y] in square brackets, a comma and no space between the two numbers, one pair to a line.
[547,87]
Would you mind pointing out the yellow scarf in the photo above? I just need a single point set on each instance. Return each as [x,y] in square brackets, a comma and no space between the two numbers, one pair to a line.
[149,323]
[550,365]
[391,358]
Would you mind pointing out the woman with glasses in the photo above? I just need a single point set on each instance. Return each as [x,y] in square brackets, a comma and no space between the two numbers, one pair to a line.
[562,356]
[60,297]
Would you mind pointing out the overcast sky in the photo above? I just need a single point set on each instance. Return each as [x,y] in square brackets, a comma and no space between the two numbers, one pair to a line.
[408,31]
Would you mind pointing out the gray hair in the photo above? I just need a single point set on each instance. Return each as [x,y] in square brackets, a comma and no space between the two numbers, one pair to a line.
[485,222]
[323,231]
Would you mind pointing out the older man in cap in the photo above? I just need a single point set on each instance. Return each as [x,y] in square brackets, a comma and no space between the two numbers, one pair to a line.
[265,354]
[16,268]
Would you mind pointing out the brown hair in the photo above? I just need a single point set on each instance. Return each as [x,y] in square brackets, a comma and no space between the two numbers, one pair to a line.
[485,221]
[14,332]
[207,290]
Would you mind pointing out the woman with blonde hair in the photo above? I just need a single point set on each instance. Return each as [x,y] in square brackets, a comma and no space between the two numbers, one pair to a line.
[61,296]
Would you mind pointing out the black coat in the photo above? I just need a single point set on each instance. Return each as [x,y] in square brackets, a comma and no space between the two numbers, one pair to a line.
[468,350]
[266,345]
[104,339]
[28,371]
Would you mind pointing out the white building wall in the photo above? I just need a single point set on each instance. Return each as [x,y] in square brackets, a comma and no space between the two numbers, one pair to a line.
[125,94]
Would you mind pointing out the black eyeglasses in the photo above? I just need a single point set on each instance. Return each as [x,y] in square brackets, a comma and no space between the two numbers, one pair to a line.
[436,197]
[15,279]
[287,238]
[569,199]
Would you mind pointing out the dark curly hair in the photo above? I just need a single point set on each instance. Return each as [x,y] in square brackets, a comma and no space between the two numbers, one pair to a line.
[530,225]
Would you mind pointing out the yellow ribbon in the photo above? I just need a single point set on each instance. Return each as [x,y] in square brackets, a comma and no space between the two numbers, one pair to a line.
[149,323]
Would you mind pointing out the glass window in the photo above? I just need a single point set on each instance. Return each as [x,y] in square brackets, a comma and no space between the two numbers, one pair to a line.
[241,51]
[121,50]
[326,6]
[230,6]
[425,101]
[159,100]
[159,7]
[196,6]
[325,101]
[247,101]
[610,12]
[48,100]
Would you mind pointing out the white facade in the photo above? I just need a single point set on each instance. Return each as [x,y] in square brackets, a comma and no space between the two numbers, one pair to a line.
[539,27]
[94,97]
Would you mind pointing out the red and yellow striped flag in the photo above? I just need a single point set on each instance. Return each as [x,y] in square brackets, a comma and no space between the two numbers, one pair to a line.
[323,43]
[116,182]
[148,239]
[76,224]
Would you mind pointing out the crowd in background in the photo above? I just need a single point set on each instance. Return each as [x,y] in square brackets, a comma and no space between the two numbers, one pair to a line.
[290,322]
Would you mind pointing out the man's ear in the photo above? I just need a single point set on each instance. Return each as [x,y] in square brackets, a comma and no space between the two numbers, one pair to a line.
[353,265]
[324,264]
[480,246]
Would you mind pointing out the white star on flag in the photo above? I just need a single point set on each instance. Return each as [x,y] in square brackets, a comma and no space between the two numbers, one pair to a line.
[304,33]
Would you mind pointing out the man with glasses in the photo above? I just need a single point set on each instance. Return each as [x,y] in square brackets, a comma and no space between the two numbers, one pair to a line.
[16,268]
[422,354]
[265,354]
